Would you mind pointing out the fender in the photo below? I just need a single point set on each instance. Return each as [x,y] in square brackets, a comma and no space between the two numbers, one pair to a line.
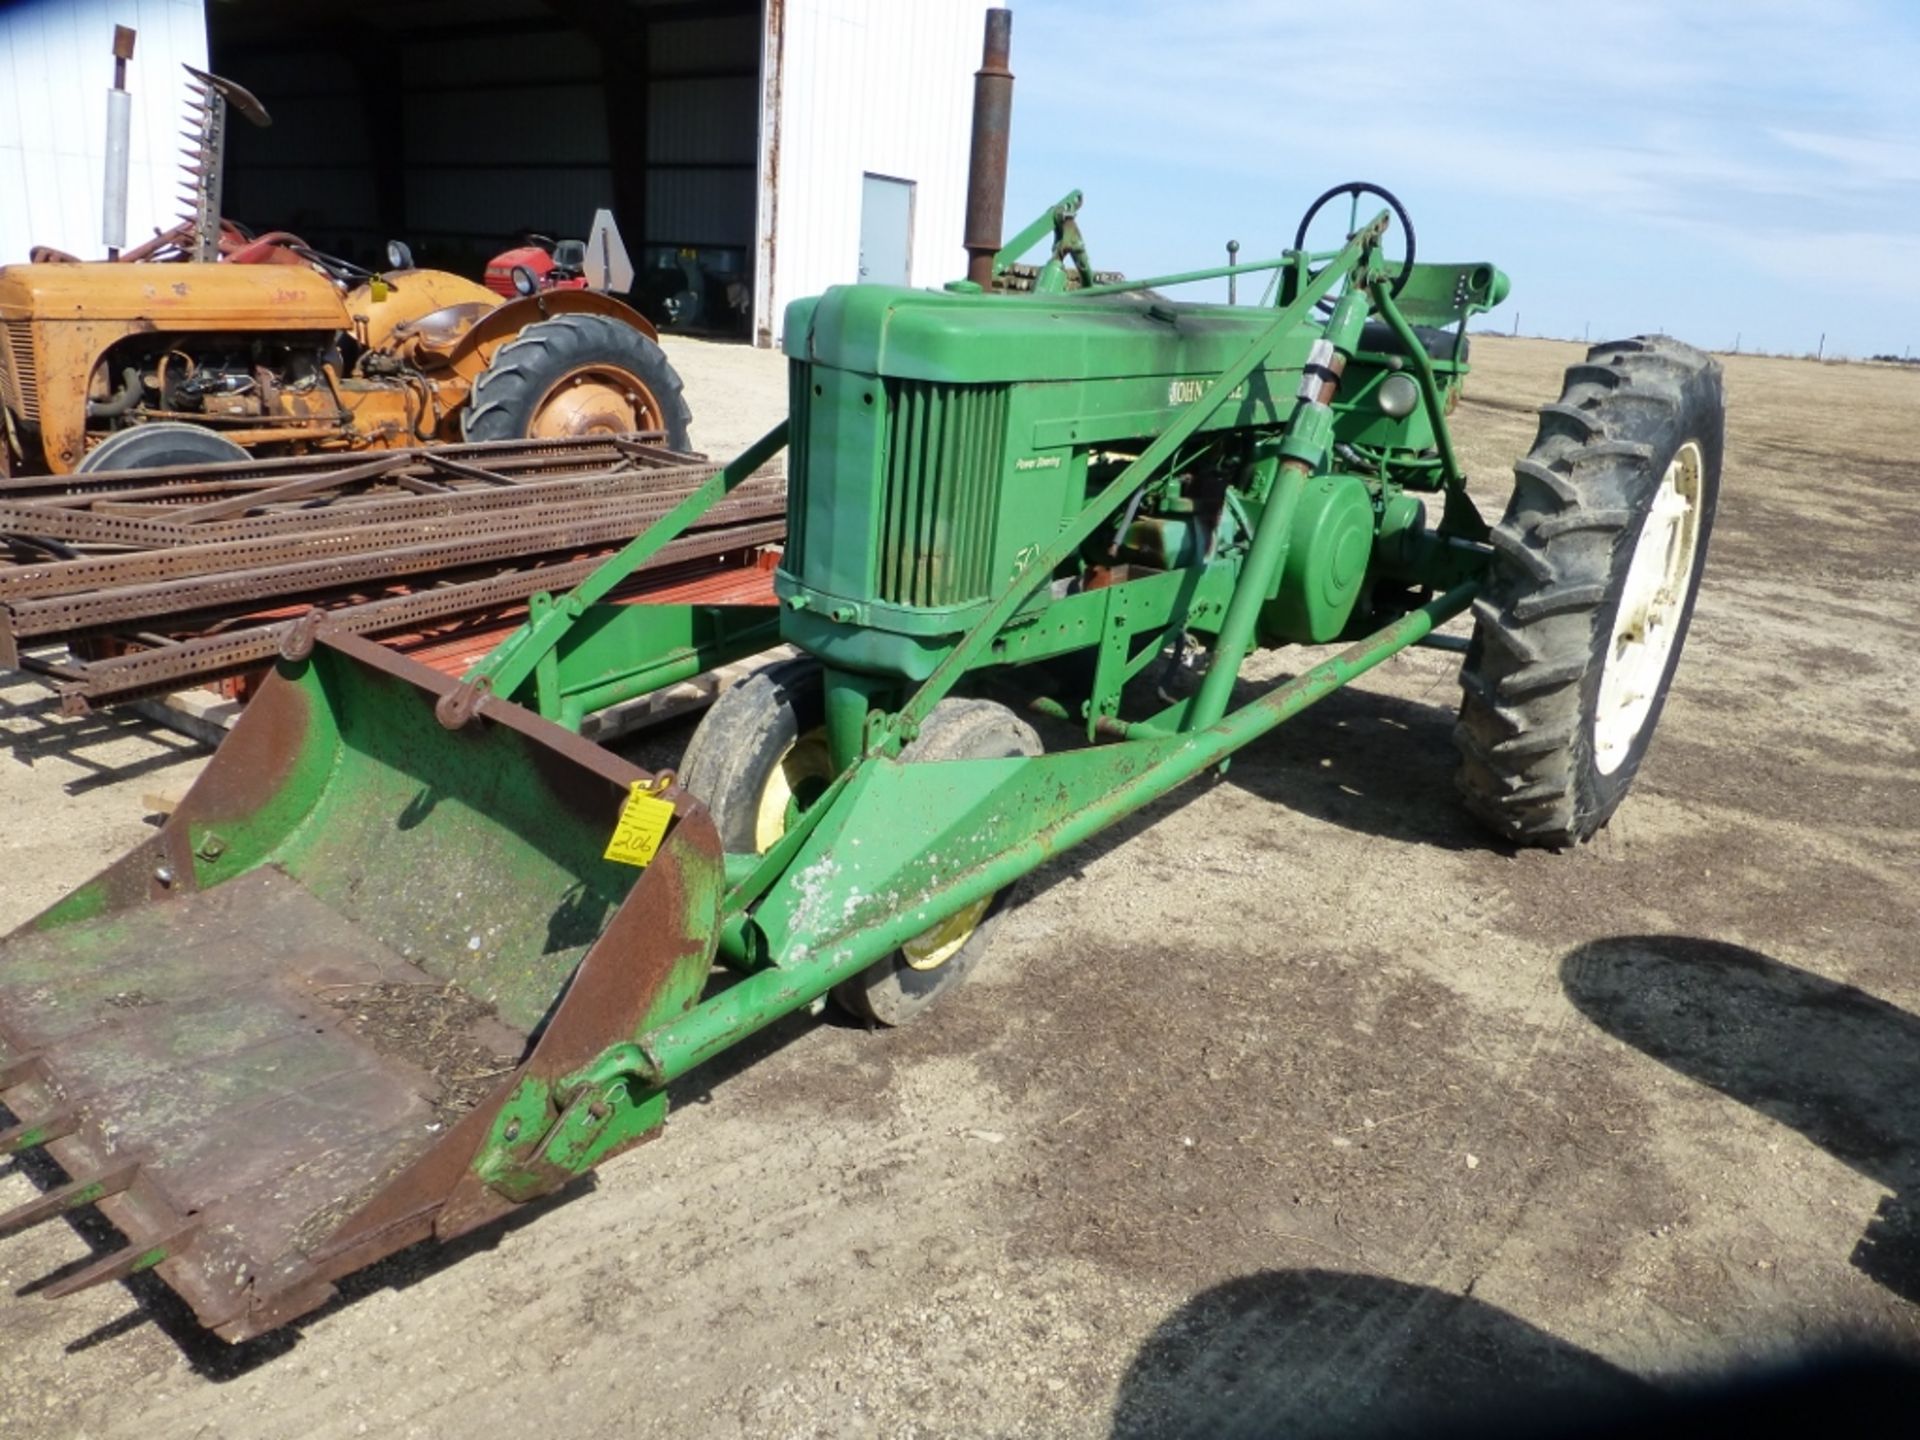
[476,347]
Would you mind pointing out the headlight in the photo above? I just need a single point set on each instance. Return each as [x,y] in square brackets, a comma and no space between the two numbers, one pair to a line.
[1397,396]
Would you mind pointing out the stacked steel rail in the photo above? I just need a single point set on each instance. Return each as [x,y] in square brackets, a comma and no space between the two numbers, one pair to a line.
[136,583]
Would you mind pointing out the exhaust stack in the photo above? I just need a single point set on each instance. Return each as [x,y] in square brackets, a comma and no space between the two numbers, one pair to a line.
[987,167]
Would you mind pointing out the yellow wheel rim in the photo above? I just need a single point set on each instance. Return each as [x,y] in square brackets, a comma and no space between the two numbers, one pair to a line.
[807,765]
[937,944]
[807,759]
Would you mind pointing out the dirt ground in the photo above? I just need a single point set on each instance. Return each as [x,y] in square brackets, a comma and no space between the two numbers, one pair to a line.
[1291,1106]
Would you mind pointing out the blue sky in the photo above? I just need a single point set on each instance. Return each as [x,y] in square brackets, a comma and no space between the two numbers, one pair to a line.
[1713,168]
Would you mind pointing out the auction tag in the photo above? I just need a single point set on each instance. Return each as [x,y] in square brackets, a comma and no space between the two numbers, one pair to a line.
[642,825]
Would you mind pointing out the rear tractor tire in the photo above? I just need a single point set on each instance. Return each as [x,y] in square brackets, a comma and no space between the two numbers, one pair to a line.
[1596,569]
[577,375]
[760,756]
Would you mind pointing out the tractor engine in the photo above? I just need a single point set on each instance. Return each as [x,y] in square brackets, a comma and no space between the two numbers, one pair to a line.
[939,440]
[210,377]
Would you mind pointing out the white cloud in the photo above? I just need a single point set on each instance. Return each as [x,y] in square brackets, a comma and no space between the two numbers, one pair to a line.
[1864,161]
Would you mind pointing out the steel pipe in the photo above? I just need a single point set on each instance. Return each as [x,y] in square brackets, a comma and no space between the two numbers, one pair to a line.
[987,164]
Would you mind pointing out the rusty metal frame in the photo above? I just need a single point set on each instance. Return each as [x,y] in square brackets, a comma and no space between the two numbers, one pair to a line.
[193,573]
[168,663]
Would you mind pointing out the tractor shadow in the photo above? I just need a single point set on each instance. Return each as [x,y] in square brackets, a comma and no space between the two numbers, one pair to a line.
[1833,1062]
[1307,1353]
[1317,1353]
[1367,762]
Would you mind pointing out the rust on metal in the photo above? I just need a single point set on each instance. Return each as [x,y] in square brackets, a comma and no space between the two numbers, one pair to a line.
[773,79]
[254,1118]
[457,708]
[987,162]
[37,1132]
[70,1196]
[156,579]
[159,664]
[129,1260]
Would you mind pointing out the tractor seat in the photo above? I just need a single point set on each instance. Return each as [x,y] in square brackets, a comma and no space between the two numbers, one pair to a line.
[1378,336]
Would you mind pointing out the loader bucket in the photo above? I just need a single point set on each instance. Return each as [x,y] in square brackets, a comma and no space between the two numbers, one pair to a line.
[295,1030]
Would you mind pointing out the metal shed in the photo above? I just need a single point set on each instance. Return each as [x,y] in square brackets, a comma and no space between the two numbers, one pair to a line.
[753,151]
[56,64]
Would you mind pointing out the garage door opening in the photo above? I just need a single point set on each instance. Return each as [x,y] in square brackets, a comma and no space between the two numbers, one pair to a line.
[467,129]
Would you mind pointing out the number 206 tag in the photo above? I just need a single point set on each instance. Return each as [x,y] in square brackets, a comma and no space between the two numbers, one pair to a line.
[642,825]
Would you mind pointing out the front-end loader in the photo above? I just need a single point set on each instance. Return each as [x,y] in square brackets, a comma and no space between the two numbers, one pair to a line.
[412,953]
[209,344]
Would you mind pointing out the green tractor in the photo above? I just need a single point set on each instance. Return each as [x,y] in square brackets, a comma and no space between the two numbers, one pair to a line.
[413,953]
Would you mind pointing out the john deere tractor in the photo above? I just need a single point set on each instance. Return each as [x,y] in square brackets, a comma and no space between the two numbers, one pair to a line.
[208,344]
[1034,536]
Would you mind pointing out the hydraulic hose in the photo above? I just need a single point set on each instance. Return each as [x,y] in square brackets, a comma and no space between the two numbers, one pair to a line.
[121,401]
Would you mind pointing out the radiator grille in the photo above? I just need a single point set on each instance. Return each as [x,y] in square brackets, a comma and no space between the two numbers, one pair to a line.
[942,490]
[799,408]
[18,385]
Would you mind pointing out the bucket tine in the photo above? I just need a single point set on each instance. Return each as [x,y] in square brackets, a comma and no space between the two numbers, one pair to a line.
[70,1196]
[38,1132]
[129,1260]
[21,1067]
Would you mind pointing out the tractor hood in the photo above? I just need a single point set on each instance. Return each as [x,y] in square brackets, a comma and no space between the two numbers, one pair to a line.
[407,298]
[173,296]
[1000,339]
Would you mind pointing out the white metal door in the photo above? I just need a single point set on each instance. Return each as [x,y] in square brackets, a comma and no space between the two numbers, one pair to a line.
[886,230]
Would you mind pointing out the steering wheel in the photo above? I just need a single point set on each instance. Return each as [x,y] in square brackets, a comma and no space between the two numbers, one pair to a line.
[1357,188]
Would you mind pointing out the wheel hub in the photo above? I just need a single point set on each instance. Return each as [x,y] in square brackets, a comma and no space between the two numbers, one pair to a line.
[937,944]
[1652,604]
[803,772]
[595,400]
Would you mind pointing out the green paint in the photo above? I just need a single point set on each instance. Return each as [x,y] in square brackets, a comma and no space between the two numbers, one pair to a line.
[149,1259]
[519,657]
[83,904]
[847,901]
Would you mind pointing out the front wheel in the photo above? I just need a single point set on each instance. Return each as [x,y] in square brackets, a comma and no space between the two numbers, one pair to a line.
[896,989]
[759,758]
[1597,566]
[157,443]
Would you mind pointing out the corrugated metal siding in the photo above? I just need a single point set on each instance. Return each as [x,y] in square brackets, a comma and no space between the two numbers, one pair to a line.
[713,120]
[497,133]
[562,124]
[536,55]
[56,63]
[703,131]
[704,44]
[700,207]
[308,172]
[868,87]
[497,203]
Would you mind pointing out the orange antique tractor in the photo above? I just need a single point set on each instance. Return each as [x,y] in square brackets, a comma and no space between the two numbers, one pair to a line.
[267,345]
